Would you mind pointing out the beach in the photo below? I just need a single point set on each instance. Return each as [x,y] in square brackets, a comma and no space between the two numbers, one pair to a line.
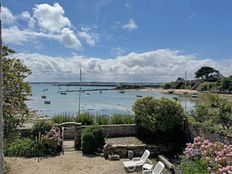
[167,91]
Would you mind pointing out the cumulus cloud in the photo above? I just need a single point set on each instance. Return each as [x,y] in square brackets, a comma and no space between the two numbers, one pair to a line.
[25,15]
[69,38]
[7,16]
[131,25]
[90,39]
[117,51]
[50,18]
[160,65]
[20,36]
[51,22]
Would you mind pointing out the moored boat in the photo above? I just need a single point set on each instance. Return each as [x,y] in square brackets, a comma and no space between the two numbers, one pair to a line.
[47,102]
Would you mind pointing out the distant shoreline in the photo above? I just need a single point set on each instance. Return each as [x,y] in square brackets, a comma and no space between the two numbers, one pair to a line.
[167,91]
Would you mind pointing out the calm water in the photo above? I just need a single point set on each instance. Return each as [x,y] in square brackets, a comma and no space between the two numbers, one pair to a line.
[108,102]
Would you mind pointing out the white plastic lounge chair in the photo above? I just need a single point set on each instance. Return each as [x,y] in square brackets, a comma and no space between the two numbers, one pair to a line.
[157,170]
[136,162]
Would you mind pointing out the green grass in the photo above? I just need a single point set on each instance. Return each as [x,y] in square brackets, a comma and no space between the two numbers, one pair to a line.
[63,118]
[89,119]
[122,119]
[85,118]
[102,120]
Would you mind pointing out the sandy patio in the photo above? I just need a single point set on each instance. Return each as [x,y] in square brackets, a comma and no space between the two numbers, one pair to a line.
[72,162]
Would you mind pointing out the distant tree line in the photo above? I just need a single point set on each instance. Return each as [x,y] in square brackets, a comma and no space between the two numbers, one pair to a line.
[207,79]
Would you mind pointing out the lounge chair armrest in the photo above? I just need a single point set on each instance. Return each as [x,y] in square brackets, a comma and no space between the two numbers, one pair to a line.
[147,171]
[136,159]
[149,162]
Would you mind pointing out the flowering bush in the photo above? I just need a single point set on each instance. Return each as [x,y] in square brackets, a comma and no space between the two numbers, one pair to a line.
[217,156]
[54,134]
[44,145]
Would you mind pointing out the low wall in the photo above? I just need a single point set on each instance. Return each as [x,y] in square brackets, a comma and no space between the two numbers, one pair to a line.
[138,150]
[120,130]
[192,131]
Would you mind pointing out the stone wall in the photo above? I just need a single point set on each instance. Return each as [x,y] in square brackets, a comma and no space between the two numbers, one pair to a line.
[192,131]
[121,130]
[138,150]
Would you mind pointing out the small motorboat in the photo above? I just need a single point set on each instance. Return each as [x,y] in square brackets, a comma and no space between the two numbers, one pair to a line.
[122,92]
[43,96]
[63,93]
[47,102]
[139,96]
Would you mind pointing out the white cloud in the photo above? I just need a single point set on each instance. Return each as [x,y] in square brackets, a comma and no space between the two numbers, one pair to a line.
[51,18]
[160,65]
[90,39]
[117,51]
[69,38]
[7,16]
[21,36]
[131,25]
[25,15]
[50,22]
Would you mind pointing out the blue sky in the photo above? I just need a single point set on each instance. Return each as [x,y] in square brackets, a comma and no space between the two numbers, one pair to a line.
[102,36]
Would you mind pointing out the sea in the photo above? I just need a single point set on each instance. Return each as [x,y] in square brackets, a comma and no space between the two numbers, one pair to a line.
[105,101]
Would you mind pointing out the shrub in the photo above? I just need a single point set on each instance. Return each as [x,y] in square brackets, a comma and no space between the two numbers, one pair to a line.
[214,109]
[49,144]
[102,120]
[152,115]
[201,113]
[85,118]
[92,138]
[62,118]
[122,119]
[193,167]
[21,147]
[41,126]
[225,114]
[217,156]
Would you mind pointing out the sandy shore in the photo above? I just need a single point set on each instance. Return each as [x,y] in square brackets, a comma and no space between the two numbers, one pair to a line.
[167,91]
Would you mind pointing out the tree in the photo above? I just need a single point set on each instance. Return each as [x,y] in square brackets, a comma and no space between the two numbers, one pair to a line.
[1,99]
[15,91]
[208,73]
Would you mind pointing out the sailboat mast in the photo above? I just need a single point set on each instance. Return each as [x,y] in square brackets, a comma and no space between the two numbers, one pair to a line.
[79,106]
